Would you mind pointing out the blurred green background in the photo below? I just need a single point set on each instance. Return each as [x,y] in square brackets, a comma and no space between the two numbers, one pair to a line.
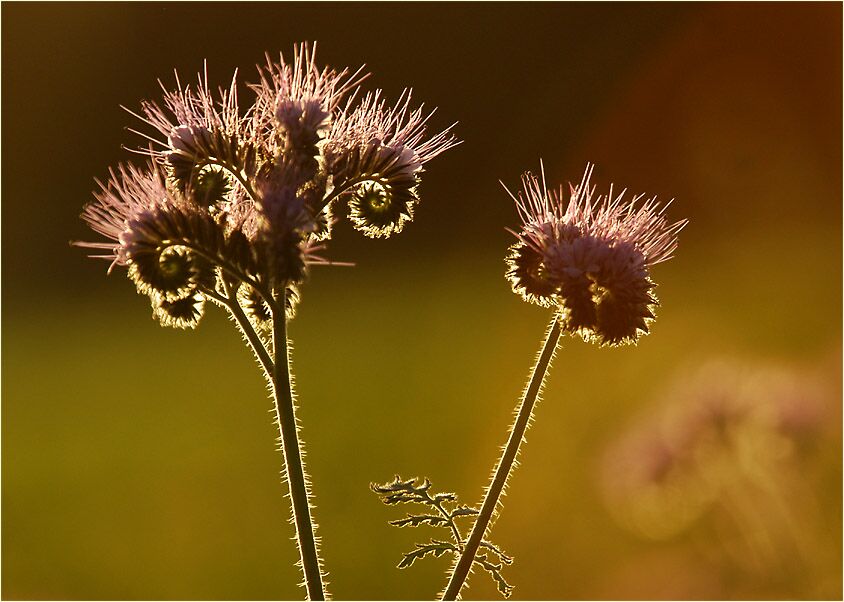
[139,462]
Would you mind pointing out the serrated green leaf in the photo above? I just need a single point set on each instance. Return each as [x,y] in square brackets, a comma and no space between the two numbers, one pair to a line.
[497,551]
[414,520]
[400,484]
[495,572]
[403,491]
[464,511]
[435,547]
[403,497]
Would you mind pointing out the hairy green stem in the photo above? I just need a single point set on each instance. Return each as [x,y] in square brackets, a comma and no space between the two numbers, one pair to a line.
[229,269]
[230,301]
[294,467]
[461,569]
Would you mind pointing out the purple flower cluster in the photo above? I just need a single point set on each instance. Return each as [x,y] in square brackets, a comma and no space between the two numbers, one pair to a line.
[249,194]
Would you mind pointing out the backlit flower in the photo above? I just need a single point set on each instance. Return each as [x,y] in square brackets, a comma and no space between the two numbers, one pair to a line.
[375,155]
[244,196]
[591,257]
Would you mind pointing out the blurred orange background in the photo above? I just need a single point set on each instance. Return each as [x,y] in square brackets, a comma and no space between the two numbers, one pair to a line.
[139,463]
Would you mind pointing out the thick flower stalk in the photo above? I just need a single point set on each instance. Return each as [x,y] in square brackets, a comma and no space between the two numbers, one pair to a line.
[233,207]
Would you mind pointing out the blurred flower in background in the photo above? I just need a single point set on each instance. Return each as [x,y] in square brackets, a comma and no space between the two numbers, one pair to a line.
[725,461]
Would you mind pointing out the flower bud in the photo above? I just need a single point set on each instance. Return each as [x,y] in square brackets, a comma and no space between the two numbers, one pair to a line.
[380,211]
[591,258]
[169,273]
[209,187]
[162,247]
[255,306]
[182,313]
[528,275]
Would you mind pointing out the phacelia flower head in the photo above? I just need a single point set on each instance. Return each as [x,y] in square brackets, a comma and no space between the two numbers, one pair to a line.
[242,198]
[591,257]
[297,101]
[172,246]
[305,138]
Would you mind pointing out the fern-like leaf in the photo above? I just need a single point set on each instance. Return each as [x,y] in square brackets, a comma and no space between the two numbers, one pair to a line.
[464,511]
[414,520]
[435,547]
[445,511]
[494,571]
[404,492]
[502,557]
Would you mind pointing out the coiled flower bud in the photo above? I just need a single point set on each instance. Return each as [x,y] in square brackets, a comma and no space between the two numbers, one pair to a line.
[192,149]
[380,210]
[210,186]
[375,156]
[171,273]
[183,313]
[173,248]
[168,250]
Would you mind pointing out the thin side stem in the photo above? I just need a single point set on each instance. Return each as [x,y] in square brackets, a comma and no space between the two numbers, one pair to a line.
[523,418]
[447,515]
[255,341]
[230,270]
[337,191]
[294,467]
[237,175]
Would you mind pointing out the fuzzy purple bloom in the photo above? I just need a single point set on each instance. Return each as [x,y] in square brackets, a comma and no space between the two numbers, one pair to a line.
[591,258]
[129,192]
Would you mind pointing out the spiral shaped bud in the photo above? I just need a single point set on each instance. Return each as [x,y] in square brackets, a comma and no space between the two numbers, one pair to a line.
[380,210]
[163,264]
[210,186]
[528,275]
[170,273]
[183,313]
